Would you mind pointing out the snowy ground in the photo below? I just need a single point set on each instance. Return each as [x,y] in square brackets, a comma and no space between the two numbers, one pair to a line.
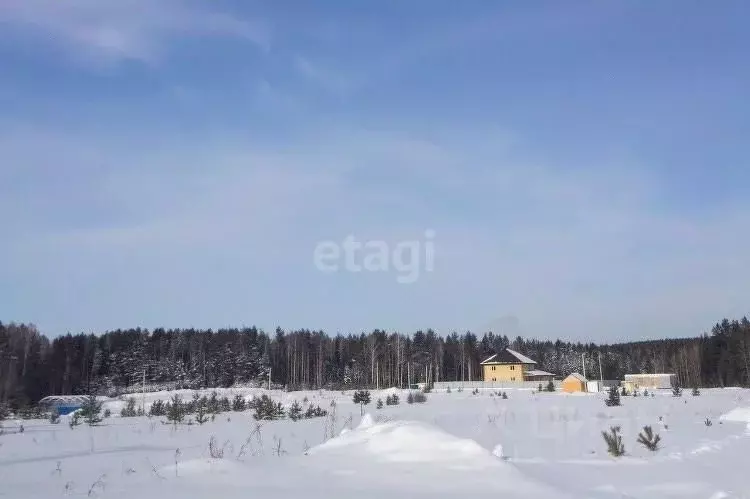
[545,445]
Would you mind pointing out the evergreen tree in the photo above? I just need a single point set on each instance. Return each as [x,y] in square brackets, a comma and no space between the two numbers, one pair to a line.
[550,386]
[213,403]
[295,411]
[75,419]
[696,391]
[648,439]
[129,410]
[90,411]
[379,405]
[613,399]
[239,404]
[361,397]
[201,412]
[267,409]
[175,410]
[613,439]
[676,390]
[33,366]
[315,412]
[157,408]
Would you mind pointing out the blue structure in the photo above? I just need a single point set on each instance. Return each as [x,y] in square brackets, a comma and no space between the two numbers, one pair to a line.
[63,404]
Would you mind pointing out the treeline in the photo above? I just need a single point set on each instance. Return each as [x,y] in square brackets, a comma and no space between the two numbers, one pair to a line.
[33,366]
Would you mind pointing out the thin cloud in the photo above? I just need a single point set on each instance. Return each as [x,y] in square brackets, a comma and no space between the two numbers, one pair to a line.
[330,79]
[139,30]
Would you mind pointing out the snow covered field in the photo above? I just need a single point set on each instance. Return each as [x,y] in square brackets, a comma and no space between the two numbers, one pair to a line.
[545,445]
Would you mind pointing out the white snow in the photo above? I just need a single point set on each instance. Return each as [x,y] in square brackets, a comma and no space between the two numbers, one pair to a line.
[531,445]
[738,415]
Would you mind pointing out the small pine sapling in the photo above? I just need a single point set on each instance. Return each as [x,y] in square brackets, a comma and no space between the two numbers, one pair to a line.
[201,412]
[213,403]
[239,404]
[315,412]
[540,388]
[75,419]
[649,439]
[613,439]
[613,400]
[175,411]
[676,390]
[505,395]
[295,411]
[550,386]
[696,392]
[54,417]
[157,408]
[91,410]
[267,409]
[361,397]
[708,422]
[419,398]
[129,410]
[224,404]
[379,405]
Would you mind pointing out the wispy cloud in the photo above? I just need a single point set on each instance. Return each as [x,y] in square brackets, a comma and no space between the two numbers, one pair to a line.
[127,29]
[330,79]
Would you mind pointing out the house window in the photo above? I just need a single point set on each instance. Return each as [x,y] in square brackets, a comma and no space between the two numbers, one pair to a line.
[512,368]
[513,378]
[493,368]
[493,379]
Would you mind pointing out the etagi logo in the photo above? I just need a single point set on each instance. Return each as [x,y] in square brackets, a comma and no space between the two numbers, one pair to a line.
[378,256]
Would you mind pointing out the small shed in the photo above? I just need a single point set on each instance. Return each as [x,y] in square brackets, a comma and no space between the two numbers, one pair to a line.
[655,381]
[574,383]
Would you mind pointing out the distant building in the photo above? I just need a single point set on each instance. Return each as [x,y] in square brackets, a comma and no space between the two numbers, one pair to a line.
[574,383]
[656,381]
[63,404]
[601,385]
[510,365]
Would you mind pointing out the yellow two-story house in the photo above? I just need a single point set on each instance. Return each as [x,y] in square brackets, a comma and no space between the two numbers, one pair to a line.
[510,365]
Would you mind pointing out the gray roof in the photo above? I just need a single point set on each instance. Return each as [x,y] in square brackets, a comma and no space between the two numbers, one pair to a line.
[535,372]
[508,356]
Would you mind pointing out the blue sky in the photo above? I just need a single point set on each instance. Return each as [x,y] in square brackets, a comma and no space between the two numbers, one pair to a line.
[584,165]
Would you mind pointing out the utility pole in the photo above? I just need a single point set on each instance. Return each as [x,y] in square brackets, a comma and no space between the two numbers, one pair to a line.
[583,361]
[143,392]
[269,378]
[601,376]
